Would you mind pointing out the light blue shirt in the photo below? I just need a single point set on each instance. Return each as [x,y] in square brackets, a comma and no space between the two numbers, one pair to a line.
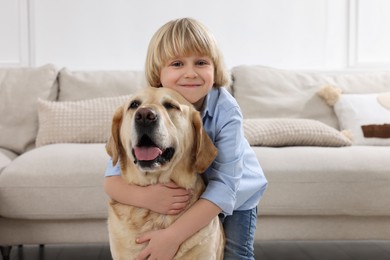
[235,180]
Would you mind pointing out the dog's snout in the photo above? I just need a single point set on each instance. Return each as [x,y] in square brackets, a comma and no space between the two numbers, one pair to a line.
[145,116]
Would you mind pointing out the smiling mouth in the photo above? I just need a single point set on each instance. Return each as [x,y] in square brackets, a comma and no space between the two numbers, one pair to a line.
[190,85]
[148,155]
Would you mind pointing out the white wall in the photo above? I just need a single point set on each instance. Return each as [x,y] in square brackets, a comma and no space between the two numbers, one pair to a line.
[114,34]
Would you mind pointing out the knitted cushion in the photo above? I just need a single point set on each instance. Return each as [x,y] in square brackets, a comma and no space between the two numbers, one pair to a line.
[84,121]
[292,132]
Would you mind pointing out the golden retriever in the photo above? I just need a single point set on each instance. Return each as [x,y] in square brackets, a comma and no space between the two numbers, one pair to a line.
[158,137]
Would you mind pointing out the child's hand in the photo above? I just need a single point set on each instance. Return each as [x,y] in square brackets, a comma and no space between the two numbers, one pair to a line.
[167,198]
[162,245]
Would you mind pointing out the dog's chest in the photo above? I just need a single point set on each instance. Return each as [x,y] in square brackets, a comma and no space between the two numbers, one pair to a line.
[139,218]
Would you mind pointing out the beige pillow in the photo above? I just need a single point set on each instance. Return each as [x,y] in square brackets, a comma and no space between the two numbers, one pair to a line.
[84,121]
[19,90]
[292,132]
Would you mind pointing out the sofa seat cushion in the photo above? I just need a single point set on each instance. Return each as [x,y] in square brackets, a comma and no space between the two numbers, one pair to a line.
[352,180]
[59,181]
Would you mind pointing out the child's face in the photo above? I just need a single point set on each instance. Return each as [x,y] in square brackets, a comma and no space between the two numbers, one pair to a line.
[191,76]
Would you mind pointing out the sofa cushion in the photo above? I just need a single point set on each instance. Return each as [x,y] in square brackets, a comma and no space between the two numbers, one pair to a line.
[365,116]
[351,180]
[5,158]
[19,90]
[269,92]
[60,181]
[78,85]
[362,113]
[83,121]
[292,131]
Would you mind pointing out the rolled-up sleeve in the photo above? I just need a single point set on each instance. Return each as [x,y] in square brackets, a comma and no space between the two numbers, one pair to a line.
[112,170]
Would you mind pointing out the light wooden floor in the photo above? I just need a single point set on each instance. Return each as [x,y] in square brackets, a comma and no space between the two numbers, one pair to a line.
[281,250]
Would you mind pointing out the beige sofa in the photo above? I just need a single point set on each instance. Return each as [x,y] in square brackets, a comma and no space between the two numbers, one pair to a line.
[54,122]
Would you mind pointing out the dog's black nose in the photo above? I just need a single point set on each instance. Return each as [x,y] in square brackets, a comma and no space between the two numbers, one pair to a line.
[145,116]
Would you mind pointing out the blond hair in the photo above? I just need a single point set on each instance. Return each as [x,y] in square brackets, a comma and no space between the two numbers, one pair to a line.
[180,38]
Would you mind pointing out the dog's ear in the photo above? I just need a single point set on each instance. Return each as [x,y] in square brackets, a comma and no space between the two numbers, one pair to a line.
[113,143]
[204,151]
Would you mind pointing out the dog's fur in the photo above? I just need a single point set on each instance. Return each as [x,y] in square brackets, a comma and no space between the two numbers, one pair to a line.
[162,119]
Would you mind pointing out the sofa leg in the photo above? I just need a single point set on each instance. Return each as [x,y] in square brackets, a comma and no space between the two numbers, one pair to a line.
[5,252]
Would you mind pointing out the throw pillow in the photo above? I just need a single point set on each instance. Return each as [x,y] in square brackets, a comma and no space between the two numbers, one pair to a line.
[292,132]
[84,121]
[366,116]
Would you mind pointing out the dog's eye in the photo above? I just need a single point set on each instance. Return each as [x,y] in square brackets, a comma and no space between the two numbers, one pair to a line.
[134,104]
[169,105]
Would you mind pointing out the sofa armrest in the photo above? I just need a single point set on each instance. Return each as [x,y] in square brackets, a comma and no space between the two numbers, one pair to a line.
[6,156]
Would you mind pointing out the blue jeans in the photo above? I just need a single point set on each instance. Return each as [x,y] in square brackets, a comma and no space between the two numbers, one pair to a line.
[239,231]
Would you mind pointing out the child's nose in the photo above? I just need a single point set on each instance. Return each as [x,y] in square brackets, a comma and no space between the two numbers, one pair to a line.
[191,73]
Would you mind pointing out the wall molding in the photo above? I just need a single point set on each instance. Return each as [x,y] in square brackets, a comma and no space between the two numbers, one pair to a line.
[31,32]
[352,57]
[355,59]
[23,57]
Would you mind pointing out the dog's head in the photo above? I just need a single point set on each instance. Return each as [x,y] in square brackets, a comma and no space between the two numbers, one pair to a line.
[158,131]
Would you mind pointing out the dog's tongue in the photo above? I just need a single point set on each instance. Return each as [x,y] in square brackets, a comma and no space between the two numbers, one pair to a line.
[147,153]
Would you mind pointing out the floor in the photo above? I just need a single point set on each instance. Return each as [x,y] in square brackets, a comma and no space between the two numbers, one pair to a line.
[281,250]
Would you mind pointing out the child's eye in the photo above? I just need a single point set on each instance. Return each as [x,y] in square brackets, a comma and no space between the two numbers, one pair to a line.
[176,64]
[202,62]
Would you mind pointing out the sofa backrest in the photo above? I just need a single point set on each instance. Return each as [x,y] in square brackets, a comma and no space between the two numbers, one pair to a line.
[264,92]
[80,85]
[85,106]
[19,90]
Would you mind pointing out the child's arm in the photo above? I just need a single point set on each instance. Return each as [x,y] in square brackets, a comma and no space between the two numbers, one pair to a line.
[164,199]
[164,243]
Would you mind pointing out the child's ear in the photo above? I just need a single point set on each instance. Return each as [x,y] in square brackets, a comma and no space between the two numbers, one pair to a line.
[113,144]
[205,150]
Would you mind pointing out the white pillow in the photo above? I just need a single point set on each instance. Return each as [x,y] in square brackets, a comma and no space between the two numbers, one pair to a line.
[292,132]
[84,121]
[357,110]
